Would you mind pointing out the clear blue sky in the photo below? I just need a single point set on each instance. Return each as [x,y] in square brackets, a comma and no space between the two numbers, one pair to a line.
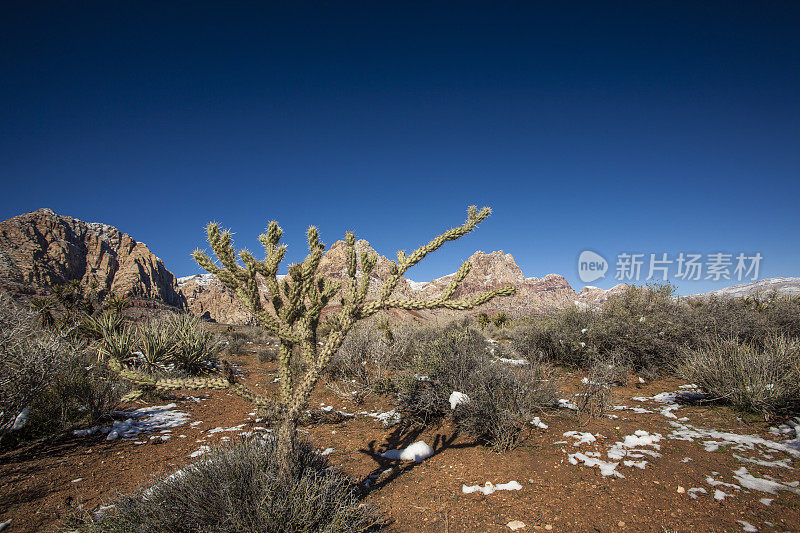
[649,127]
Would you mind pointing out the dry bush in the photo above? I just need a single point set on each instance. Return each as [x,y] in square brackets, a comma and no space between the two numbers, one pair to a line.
[48,373]
[242,488]
[603,372]
[763,379]
[364,356]
[502,402]
[503,398]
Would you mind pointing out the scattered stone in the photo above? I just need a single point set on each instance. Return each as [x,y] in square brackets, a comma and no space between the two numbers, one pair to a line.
[514,525]
[681,490]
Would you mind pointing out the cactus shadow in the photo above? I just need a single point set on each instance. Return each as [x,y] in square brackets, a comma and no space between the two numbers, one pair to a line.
[387,470]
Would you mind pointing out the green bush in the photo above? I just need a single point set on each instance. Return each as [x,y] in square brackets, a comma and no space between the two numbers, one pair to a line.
[760,377]
[241,488]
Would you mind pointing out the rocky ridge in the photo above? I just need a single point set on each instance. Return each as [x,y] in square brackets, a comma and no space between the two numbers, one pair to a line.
[41,249]
[205,295]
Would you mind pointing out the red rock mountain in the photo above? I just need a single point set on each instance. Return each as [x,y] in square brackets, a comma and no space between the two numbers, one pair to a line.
[205,294]
[41,248]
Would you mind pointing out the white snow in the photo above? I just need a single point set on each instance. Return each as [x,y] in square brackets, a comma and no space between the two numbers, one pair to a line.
[145,420]
[515,362]
[327,451]
[778,463]
[581,437]
[490,488]
[419,451]
[203,280]
[21,419]
[457,398]
[86,432]
[767,501]
[719,495]
[566,404]
[200,451]
[538,423]
[387,419]
[693,491]
[631,446]
[747,526]
[770,486]
[741,443]
[221,429]
[416,285]
[606,468]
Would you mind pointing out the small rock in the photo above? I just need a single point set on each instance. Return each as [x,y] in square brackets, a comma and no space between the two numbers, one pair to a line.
[681,490]
[548,527]
[515,525]
[621,523]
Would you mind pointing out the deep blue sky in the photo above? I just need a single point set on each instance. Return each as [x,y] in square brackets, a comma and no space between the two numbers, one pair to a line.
[642,126]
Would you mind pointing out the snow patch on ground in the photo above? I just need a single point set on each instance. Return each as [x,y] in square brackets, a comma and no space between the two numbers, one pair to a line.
[580,437]
[538,423]
[770,486]
[419,451]
[490,488]
[712,439]
[747,526]
[387,418]
[606,468]
[144,420]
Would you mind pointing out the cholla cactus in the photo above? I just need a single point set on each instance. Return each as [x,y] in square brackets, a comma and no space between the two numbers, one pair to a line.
[293,307]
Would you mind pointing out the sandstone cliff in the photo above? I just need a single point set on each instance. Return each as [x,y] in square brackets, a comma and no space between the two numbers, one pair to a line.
[41,249]
[205,295]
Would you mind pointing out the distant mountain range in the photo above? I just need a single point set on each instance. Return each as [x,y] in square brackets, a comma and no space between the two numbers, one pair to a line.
[41,248]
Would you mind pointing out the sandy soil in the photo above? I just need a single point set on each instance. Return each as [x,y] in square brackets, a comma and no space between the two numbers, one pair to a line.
[44,482]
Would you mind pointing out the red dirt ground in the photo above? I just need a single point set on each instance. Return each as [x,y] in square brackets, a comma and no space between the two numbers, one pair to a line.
[38,489]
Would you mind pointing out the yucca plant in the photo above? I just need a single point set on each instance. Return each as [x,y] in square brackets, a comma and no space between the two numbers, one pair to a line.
[117,345]
[45,307]
[103,325]
[500,319]
[292,308]
[156,342]
[192,344]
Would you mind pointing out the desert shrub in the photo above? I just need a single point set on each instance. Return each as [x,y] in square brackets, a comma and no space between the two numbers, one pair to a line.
[503,398]
[503,401]
[751,376]
[603,372]
[30,356]
[752,320]
[241,488]
[364,356]
[46,374]
[80,393]
[645,327]
[561,337]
